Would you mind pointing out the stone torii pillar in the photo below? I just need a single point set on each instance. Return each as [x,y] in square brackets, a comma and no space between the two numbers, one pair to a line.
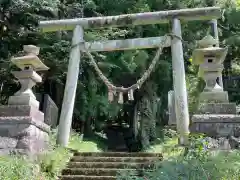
[70,88]
[180,89]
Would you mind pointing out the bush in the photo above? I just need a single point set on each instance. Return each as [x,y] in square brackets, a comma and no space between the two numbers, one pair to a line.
[220,167]
[224,166]
[196,162]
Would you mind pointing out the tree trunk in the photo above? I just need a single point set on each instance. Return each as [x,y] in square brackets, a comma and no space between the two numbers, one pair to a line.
[88,132]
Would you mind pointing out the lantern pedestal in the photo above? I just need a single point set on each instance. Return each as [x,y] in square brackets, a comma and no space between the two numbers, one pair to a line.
[210,80]
[25,96]
[24,100]
[214,97]
[212,93]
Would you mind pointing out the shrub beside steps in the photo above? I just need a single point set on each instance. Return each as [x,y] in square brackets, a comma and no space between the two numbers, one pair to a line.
[106,165]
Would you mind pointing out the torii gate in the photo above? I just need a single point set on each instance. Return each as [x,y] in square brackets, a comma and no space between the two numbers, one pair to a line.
[78,25]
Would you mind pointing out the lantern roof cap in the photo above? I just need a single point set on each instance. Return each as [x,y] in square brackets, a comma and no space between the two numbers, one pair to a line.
[30,59]
[207,49]
[207,41]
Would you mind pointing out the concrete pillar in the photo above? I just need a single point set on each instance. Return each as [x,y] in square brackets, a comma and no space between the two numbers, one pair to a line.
[65,121]
[180,90]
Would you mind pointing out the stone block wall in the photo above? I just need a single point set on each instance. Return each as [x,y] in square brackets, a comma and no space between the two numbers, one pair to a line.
[216,120]
[25,133]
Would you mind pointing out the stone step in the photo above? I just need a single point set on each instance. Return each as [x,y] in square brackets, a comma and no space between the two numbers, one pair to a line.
[12,151]
[114,159]
[217,108]
[216,118]
[95,171]
[21,110]
[83,177]
[120,165]
[107,165]
[118,154]
[214,97]
[213,125]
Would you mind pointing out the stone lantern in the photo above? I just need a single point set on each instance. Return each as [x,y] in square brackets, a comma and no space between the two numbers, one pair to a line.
[215,117]
[22,126]
[210,60]
[29,64]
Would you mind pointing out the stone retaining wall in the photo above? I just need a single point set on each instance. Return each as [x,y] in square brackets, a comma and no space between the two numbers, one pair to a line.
[23,135]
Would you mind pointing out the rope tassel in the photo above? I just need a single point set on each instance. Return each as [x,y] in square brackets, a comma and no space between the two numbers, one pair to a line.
[130,95]
[120,98]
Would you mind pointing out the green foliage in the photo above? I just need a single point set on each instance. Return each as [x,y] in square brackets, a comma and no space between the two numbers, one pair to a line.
[46,166]
[18,26]
[197,149]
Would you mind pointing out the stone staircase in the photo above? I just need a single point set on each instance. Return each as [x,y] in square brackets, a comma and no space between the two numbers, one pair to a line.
[106,165]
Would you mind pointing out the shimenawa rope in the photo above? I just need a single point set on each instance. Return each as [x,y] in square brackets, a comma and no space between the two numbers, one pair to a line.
[112,89]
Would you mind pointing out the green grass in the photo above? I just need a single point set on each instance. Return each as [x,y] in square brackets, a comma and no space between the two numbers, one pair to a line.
[16,168]
[197,163]
[223,166]
[166,143]
[47,166]
[169,148]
